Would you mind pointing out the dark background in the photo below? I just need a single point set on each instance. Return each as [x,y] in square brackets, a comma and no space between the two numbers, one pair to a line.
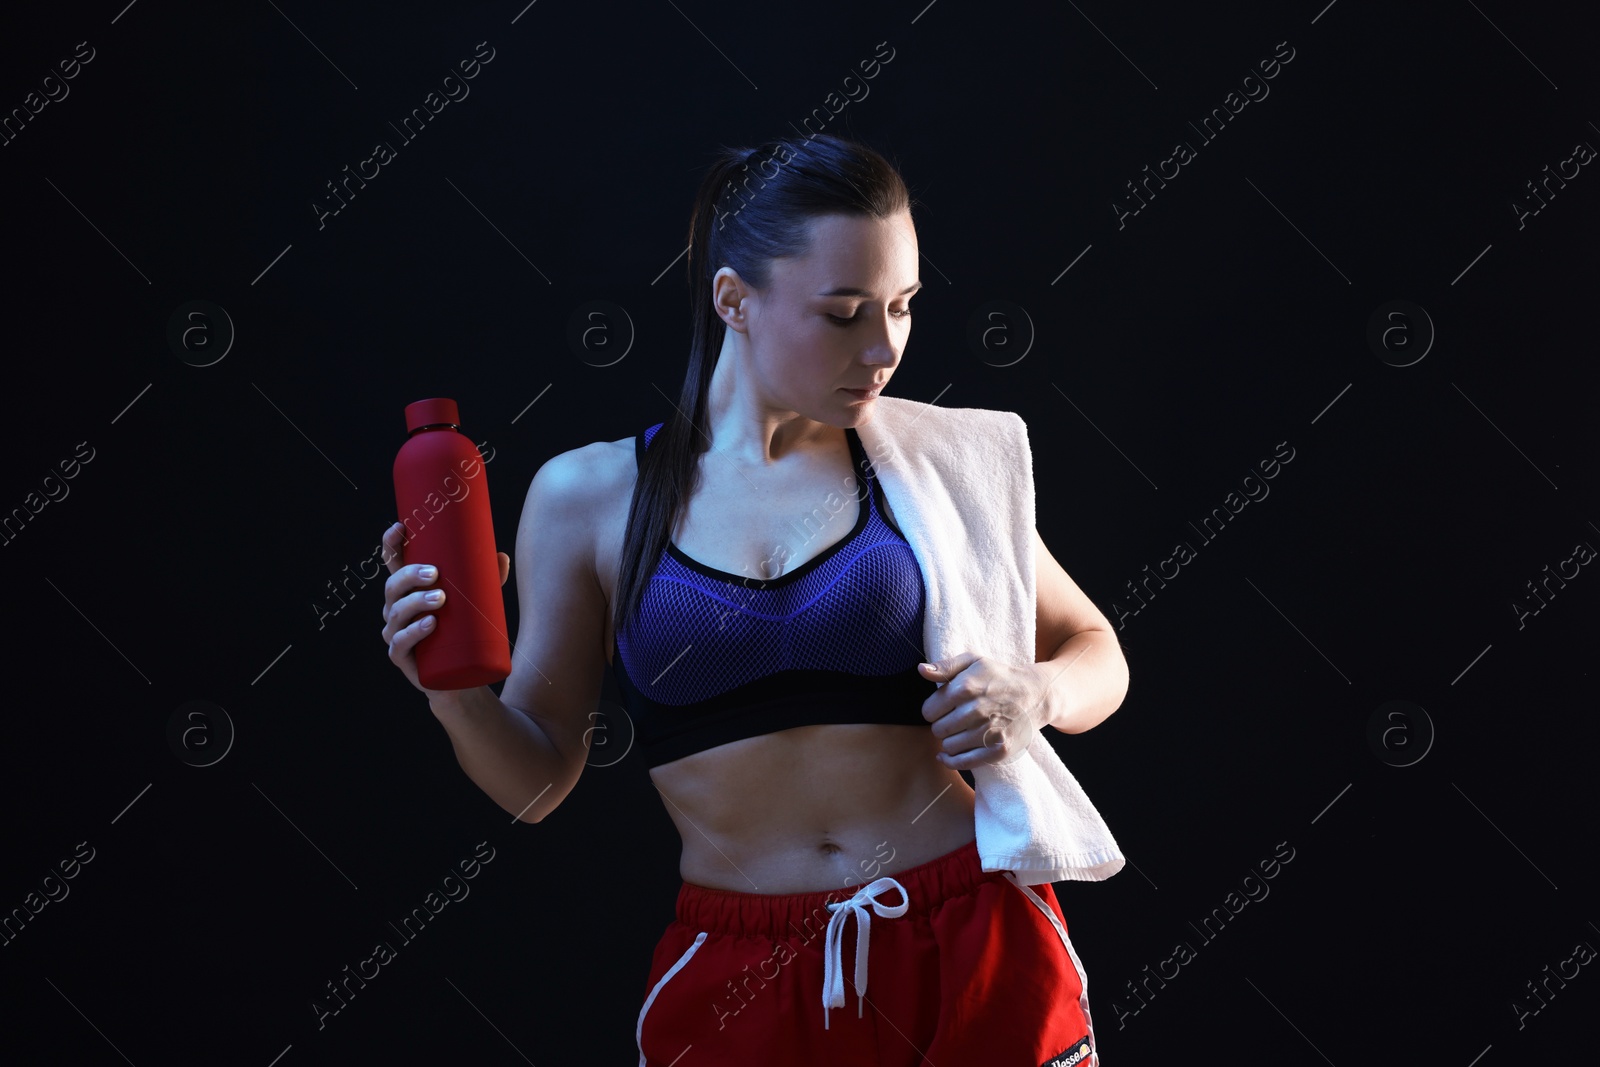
[1231,314]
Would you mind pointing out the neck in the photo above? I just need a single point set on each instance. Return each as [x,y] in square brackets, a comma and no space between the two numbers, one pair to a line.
[747,430]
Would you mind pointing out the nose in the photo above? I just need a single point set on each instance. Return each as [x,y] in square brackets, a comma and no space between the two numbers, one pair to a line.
[881,355]
[882,351]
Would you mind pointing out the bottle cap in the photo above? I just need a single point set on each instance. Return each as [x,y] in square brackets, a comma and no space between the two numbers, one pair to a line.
[431,412]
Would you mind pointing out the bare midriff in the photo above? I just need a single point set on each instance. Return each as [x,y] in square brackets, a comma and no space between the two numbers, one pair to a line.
[814,808]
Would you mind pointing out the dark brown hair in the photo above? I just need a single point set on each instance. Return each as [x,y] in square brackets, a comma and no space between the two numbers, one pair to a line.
[753,206]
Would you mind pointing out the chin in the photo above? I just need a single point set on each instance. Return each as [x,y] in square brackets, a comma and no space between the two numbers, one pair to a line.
[857,412]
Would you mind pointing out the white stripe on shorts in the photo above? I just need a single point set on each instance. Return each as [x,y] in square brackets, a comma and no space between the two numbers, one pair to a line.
[1083,979]
[638,1034]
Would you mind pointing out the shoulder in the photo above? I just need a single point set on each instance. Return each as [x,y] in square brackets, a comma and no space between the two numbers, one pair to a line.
[574,501]
[578,484]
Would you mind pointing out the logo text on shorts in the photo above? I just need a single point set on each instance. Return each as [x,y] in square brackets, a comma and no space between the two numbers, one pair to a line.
[1077,1052]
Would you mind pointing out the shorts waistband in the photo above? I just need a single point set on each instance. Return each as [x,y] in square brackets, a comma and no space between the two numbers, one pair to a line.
[777,914]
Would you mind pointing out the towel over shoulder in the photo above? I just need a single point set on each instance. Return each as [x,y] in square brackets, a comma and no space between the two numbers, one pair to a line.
[960,483]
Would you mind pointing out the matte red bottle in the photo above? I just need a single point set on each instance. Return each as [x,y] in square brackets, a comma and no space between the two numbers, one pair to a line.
[442,490]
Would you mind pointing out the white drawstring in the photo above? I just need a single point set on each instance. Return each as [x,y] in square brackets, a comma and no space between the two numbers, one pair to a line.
[833,941]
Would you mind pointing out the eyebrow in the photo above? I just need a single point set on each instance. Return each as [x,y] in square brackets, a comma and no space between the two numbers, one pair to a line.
[850,290]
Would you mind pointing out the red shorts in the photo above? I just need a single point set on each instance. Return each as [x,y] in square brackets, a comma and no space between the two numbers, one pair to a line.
[948,966]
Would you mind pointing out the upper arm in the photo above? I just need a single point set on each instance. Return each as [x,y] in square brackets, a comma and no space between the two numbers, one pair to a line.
[557,662]
[1063,608]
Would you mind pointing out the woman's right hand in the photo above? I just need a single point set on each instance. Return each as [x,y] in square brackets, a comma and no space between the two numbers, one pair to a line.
[405,598]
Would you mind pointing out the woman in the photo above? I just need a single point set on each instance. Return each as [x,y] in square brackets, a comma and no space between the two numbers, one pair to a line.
[773,668]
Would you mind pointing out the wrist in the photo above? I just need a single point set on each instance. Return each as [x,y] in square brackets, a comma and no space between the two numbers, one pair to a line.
[1045,673]
[445,703]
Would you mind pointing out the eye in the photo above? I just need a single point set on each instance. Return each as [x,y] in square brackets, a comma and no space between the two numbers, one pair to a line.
[903,314]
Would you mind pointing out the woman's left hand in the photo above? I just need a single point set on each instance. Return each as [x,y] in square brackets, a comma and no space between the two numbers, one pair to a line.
[985,712]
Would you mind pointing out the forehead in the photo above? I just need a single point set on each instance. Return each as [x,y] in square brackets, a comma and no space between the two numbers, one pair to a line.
[858,251]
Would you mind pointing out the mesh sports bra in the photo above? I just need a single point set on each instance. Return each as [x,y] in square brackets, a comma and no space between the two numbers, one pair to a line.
[713,657]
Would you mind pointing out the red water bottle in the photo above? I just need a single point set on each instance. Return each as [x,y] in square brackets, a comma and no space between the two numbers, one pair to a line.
[442,491]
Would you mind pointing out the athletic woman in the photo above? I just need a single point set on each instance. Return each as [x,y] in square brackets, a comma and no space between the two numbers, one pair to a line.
[768,645]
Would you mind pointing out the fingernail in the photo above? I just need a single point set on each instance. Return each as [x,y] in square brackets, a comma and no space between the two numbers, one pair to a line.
[429,573]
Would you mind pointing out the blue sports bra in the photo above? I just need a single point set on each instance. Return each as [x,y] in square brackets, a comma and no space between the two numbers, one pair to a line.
[713,657]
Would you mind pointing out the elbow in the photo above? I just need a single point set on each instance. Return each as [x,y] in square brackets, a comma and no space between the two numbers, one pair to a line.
[1119,694]
[1111,698]
[533,813]
[549,798]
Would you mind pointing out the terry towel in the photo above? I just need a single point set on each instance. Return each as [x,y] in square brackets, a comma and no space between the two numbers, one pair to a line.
[960,482]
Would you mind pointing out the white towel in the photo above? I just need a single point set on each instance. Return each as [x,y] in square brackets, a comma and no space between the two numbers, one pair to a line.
[960,483]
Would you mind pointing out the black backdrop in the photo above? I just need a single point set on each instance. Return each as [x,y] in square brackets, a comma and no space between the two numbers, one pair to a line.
[1341,270]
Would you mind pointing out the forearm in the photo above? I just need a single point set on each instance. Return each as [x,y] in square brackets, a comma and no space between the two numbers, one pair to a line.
[1085,681]
[503,751]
